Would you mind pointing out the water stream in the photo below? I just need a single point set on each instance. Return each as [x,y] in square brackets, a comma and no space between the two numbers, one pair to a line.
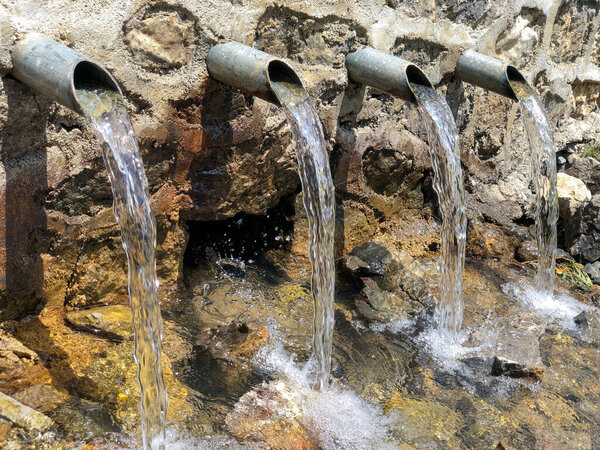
[132,210]
[444,147]
[543,164]
[319,203]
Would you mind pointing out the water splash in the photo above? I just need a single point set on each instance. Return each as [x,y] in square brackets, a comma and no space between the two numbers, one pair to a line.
[543,166]
[444,147]
[560,309]
[132,210]
[319,202]
[337,417]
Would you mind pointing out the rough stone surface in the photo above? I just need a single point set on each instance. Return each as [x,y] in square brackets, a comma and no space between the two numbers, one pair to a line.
[392,285]
[586,169]
[161,40]
[527,251]
[20,367]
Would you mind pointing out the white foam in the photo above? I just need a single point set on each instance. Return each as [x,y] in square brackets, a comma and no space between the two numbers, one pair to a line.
[399,326]
[338,417]
[560,309]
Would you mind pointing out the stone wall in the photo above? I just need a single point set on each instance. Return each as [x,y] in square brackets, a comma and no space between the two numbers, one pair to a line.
[212,152]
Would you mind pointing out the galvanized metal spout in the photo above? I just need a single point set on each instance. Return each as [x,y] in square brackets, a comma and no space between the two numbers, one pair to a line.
[489,73]
[385,72]
[57,71]
[250,70]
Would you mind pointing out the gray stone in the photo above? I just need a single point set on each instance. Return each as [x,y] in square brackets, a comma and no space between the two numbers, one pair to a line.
[593,270]
[582,235]
[587,169]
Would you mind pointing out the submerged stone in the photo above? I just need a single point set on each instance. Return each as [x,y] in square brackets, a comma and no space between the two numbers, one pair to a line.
[234,341]
[515,350]
[22,415]
[113,321]
[41,397]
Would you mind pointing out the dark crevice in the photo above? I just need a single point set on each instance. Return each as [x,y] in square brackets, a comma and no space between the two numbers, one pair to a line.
[244,236]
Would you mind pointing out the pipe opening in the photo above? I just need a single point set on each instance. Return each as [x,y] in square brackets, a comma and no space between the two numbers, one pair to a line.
[284,82]
[89,75]
[513,74]
[415,76]
[280,72]
[517,84]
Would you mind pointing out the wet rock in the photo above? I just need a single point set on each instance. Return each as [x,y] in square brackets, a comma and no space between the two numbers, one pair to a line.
[589,323]
[23,415]
[527,251]
[572,194]
[593,270]
[516,349]
[271,414]
[160,41]
[233,342]
[41,397]
[392,284]
[113,321]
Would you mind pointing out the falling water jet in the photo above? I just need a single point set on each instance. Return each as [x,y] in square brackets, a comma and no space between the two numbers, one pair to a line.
[273,80]
[87,88]
[500,77]
[405,80]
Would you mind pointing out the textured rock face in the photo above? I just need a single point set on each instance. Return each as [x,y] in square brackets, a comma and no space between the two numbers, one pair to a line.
[211,152]
[392,285]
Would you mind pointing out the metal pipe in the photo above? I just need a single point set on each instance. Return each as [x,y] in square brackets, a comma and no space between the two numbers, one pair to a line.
[57,71]
[250,70]
[385,72]
[489,73]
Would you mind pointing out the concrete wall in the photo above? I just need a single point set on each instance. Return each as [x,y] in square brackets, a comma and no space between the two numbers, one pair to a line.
[211,152]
